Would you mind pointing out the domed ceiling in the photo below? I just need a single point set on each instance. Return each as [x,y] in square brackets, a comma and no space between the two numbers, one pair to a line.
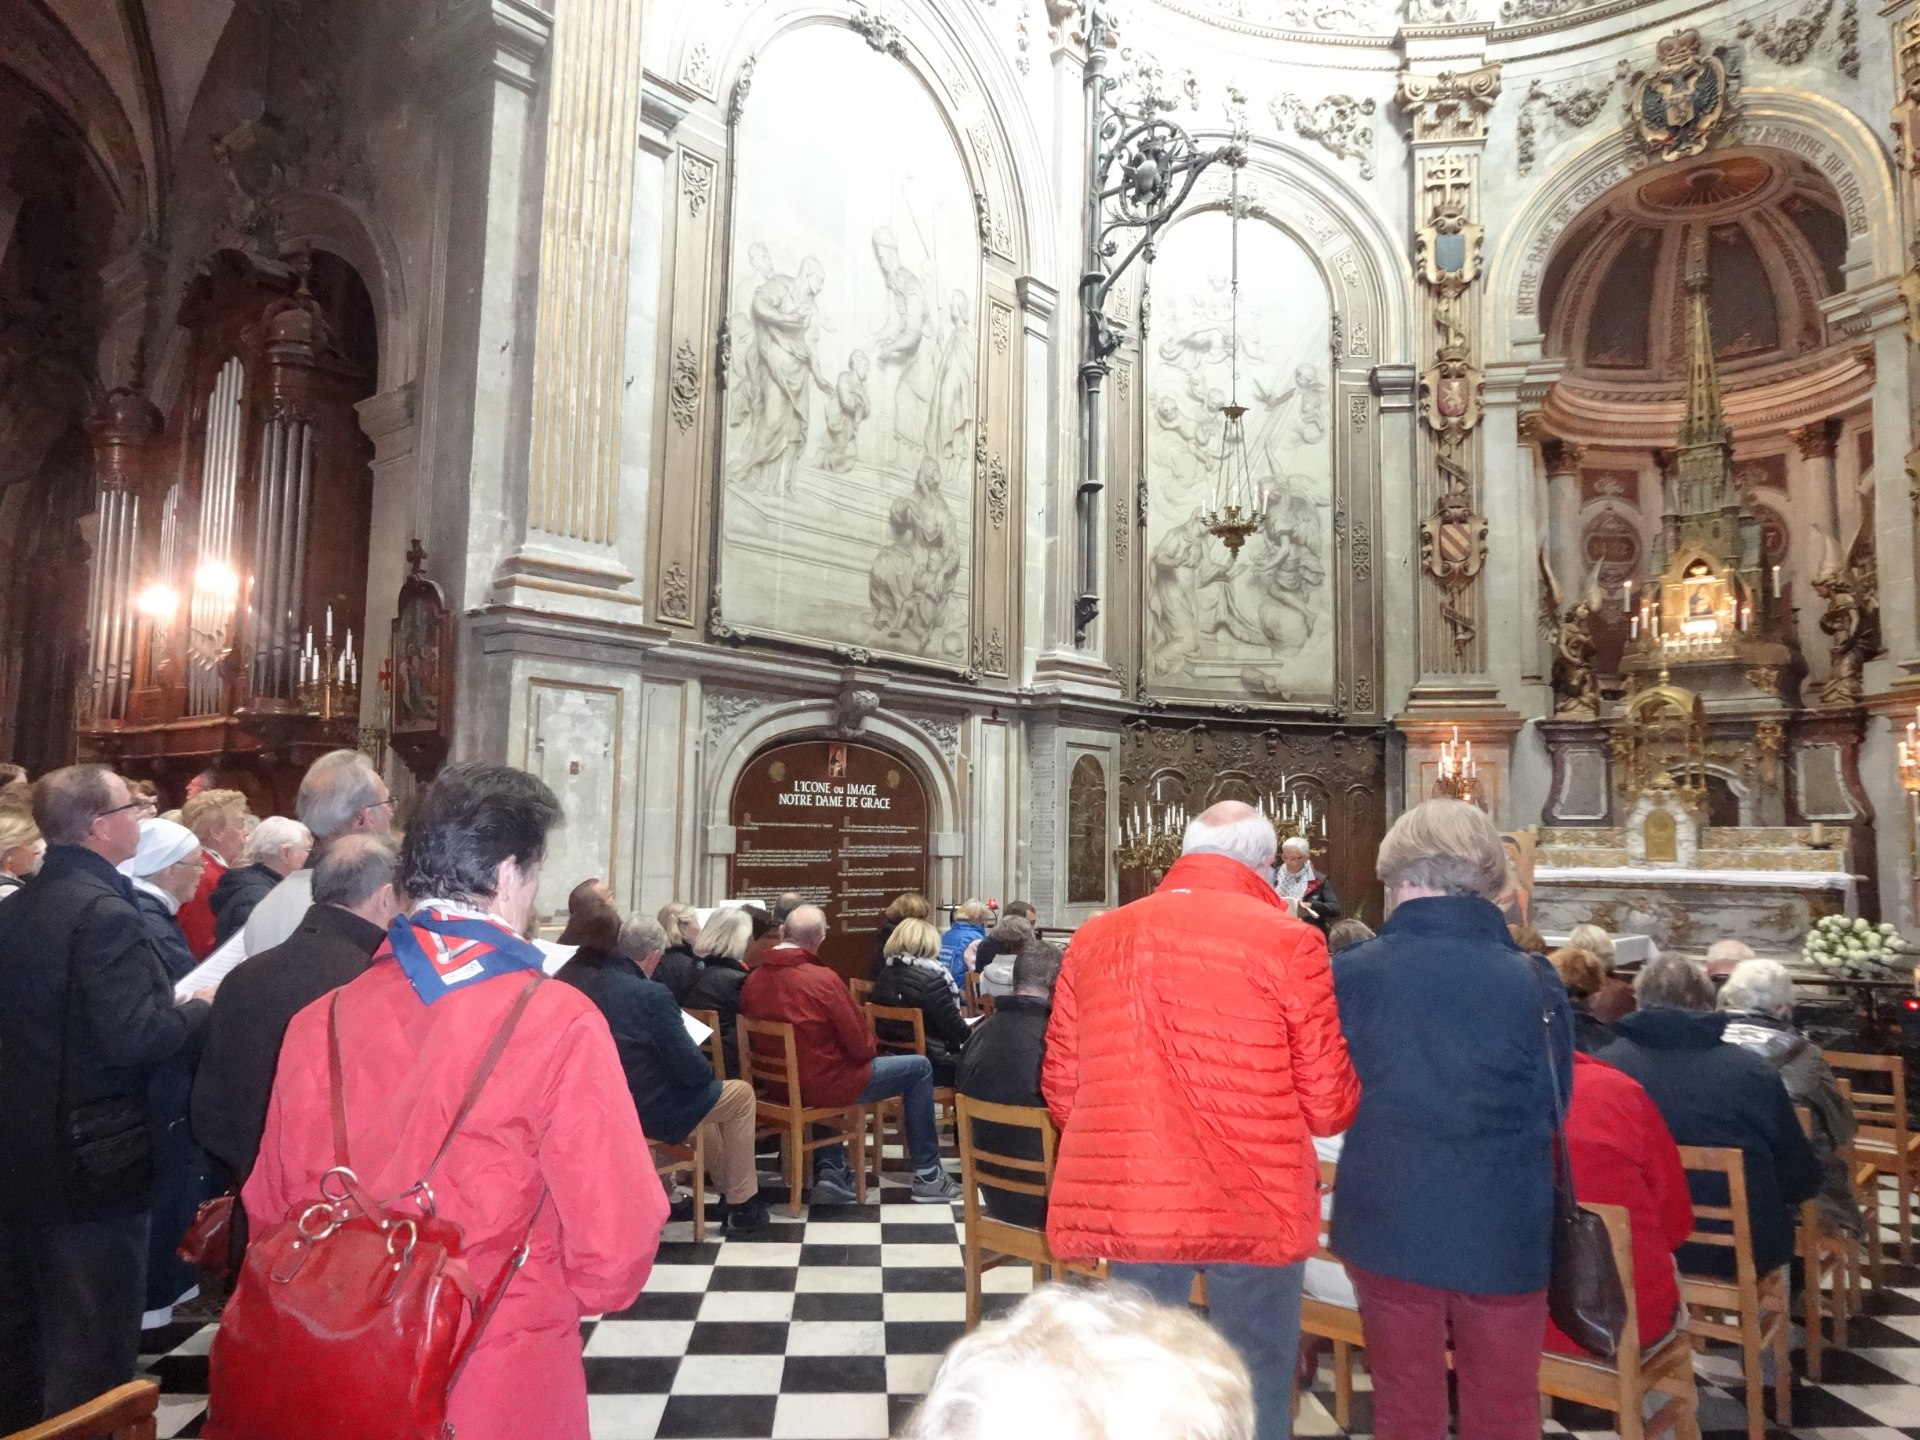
[1774,242]
[1295,17]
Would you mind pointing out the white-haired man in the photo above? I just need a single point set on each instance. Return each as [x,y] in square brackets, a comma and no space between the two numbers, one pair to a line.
[1304,889]
[341,794]
[1193,1051]
[1758,1003]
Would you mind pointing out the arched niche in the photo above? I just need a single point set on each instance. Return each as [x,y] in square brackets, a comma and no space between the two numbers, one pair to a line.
[1261,625]
[1833,140]
[845,823]
[802,720]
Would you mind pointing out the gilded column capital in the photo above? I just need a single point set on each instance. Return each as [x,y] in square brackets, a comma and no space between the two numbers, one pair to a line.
[1817,439]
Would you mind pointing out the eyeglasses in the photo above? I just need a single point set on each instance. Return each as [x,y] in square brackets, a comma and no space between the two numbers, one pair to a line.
[378,804]
[134,804]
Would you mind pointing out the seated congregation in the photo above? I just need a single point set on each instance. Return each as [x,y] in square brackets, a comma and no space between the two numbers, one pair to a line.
[1316,1135]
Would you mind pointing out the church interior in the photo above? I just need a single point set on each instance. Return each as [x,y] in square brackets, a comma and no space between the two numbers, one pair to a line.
[1010,427]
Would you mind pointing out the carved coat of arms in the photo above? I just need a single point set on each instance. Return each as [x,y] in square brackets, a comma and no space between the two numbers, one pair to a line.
[1450,391]
[1453,540]
[1679,104]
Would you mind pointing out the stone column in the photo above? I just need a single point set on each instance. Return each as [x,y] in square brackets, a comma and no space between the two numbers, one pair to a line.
[480,64]
[1563,459]
[580,332]
[1060,664]
[1819,443]
[1447,112]
[388,419]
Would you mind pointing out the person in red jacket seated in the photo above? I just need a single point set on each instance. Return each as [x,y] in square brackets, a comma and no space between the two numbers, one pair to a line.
[838,1062]
[1623,1154]
[1193,1054]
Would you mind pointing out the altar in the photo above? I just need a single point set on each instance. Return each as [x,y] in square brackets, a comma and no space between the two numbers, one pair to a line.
[1765,885]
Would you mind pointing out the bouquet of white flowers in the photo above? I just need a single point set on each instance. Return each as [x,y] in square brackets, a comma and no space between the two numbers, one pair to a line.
[1856,949]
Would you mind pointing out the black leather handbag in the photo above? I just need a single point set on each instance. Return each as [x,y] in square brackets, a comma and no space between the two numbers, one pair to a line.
[1584,1294]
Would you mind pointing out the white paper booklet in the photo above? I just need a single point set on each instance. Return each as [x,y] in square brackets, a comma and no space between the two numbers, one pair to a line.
[215,968]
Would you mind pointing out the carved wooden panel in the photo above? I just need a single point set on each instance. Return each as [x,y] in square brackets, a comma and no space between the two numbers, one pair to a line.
[1343,771]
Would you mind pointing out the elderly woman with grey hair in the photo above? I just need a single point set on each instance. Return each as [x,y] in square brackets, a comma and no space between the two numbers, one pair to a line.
[1758,1003]
[1308,893]
[1445,1209]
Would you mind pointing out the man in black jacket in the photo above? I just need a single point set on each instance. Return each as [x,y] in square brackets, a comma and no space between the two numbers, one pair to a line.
[1001,1065]
[353,902]
[1712,1093]
[673,1085]
[90,1015]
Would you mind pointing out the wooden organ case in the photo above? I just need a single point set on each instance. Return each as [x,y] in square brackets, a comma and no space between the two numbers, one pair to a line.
[228,588]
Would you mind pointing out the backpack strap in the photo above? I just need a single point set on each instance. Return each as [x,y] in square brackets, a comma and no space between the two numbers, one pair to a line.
[336,1084]
[491,1059]
[496,1294]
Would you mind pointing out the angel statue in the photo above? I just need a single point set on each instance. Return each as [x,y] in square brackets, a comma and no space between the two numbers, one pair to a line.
[1850,586]
[1576,688]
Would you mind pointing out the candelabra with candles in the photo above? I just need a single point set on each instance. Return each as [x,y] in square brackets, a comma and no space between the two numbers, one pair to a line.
[1459,778]
[329,680]
[1294,816]
[1151,835]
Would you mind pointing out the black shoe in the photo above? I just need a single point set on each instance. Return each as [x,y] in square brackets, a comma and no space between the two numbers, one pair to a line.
[682,1209]
[749,1217]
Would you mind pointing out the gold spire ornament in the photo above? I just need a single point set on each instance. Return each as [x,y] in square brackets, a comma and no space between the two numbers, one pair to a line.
[1235,512]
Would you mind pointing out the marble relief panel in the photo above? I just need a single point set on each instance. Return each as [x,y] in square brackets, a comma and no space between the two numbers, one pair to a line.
[1258,625]
[849,451]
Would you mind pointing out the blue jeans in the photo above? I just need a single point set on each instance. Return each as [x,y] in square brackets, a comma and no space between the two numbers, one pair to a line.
[1256,1309]
[909,1077]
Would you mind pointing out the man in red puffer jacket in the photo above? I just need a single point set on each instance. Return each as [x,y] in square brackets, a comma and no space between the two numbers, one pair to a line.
[1193,1054]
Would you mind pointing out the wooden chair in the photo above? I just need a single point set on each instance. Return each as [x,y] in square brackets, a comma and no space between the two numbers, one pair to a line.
[970,997]
[1751,1310]
[716,1051]
[125,1413]
[907,1017]
[985,1002]
[773,1069]
[1334,1322]
[860,990]
[1885,1141]
[1826,1260]
[990,1243]
[1622,1384]
[689,1159]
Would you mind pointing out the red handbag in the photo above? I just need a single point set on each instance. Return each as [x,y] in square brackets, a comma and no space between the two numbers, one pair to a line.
[345,1322]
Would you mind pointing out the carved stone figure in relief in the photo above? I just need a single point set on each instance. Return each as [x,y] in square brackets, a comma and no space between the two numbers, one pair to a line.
[950,421]
[1851,621]
[781,376]
[905,347]
[847,410]
[841,389]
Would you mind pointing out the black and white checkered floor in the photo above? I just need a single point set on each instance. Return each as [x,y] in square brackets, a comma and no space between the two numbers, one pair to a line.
[830,1326]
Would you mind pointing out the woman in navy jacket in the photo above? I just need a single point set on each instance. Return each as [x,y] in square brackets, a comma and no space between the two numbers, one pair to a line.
[1445,1200]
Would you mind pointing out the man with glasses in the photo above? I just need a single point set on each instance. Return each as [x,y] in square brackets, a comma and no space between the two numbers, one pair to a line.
[90,1017]
[341,795]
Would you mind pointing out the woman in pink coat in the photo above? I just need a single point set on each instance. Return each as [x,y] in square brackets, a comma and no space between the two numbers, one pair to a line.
[555,1114]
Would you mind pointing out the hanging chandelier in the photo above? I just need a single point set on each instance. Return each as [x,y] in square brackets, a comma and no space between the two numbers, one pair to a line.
[1235,512]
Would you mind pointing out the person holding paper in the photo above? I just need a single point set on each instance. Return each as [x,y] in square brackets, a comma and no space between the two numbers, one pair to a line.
[165,872]
[673,1085]
[90,1015]
[353,902]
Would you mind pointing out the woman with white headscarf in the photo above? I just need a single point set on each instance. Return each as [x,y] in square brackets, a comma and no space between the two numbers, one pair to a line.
[164,872]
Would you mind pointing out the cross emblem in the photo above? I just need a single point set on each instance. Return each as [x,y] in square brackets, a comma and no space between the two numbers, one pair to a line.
[386,675]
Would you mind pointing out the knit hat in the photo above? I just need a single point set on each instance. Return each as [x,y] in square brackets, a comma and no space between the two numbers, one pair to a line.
[162,843]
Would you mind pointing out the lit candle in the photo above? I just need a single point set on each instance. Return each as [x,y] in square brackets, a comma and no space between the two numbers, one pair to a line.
[329,624]
[1634,632]
[1776,582]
